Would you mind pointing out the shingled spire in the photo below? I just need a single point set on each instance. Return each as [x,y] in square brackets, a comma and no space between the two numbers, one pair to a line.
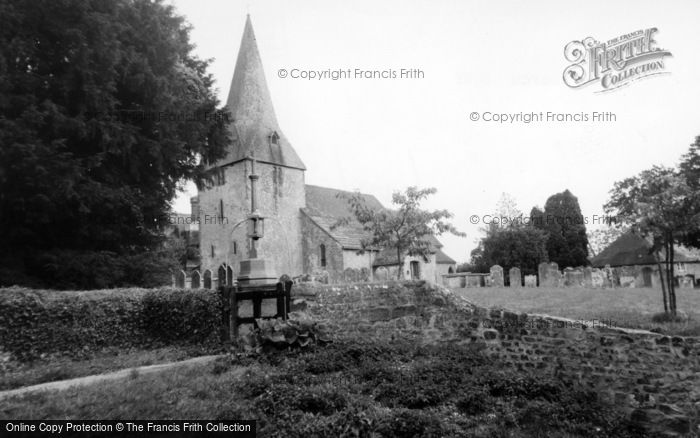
[255,128]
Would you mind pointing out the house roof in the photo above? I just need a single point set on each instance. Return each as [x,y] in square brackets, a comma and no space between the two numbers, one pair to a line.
[254,120]
[631,249]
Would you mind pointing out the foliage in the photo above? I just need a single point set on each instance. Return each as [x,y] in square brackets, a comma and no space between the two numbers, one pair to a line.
[480,396]
[104,111]
[601,238]
[567,243]
[34,324]
[689,169]
[657,204]
[521,247]
[72,269]
[466,267]
[280,334]
[406,229]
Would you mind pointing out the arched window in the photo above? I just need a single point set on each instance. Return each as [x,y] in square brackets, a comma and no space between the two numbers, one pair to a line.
[323,255]
[235,247]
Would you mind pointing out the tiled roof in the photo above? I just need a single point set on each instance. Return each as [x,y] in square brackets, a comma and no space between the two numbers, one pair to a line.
[442,258]
[631,249]
[326,206]
[349,237]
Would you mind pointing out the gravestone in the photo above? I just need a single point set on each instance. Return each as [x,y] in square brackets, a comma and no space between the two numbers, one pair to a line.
[365,275]
[381,274]
[515,277]
[587,277]
[597,278]
[496,276]
[530,281]
[549,274]
[573,277]
[609,277]
[349,275]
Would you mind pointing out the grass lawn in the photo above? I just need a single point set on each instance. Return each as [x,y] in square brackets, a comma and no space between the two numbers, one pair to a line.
[631,308]
[16,375]
[357,387]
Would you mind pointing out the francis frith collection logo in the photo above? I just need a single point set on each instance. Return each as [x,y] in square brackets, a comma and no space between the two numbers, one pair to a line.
[614,63]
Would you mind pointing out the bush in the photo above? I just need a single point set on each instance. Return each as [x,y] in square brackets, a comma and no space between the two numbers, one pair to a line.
[78,324]
[665,318]
[66,269]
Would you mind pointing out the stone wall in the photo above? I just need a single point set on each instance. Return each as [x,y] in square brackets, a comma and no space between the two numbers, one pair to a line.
[654,377]
[312,238]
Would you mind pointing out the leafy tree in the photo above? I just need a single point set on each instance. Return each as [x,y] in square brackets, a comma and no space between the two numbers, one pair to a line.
[507,215]
[567,244]
[537,218]
[658,204]
[601,238]
[521,247]
[689,168]
[104,112]
[404,229]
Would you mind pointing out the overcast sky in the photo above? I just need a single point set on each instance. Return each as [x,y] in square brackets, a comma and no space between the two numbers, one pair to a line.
[380,135]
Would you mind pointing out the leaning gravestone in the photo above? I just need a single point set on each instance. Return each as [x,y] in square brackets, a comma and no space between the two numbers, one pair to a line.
[530,281]
[496,276]
[515,277]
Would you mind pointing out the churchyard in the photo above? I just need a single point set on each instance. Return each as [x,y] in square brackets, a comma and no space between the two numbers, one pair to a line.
[405,359]
[623,307]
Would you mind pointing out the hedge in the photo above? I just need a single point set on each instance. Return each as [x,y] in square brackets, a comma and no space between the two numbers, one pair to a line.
[37,323]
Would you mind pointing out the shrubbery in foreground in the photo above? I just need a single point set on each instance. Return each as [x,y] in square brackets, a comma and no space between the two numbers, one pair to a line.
[77,324]
[399,389]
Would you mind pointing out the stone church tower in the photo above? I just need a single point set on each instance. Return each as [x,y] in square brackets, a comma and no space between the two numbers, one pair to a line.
[301,234]
[280,188]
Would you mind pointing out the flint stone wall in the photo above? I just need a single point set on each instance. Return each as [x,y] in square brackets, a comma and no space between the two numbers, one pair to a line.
[656,377]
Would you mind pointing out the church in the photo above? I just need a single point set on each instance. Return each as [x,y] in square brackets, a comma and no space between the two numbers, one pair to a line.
[301,236]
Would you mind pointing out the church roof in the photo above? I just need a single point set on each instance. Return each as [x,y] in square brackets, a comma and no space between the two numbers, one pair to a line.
[442,258]
[255,129]
[324,201]
[326,206]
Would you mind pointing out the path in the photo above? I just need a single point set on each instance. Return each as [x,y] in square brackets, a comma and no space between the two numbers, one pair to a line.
[89,380]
